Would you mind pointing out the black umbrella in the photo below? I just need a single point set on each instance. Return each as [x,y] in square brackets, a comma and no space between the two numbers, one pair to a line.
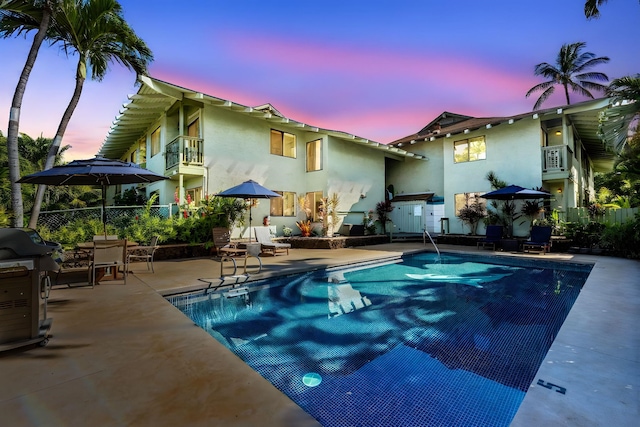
[249,190]
[513,192]
[97,171]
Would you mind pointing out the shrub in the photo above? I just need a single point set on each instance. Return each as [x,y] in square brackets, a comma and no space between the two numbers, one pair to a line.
[383,209]
[622,239]
[471,215]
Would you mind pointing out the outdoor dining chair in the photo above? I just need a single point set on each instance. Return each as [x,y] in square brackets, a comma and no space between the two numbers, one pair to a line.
[144,253]
[109,254]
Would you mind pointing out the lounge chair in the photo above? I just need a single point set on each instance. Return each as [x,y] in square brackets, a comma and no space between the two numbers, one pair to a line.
[493,236]
[109,254]
[222,241]
[263,236]
[144,253]
[540,240]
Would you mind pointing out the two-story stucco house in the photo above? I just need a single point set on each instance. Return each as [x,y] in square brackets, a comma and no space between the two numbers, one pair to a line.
[557,149]
[205,144]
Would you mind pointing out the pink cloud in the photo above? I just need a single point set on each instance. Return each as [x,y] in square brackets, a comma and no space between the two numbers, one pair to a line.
[365,64]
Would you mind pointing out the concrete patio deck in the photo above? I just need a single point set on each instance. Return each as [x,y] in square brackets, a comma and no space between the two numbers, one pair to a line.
[123,356]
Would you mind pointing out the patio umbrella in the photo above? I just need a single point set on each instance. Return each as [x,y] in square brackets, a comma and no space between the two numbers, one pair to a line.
[97,171]
[513,192]
[249,190]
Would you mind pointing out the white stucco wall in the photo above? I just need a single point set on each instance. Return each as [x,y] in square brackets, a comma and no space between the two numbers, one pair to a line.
[513,154]
[352,171]
[237,148]
[417,176]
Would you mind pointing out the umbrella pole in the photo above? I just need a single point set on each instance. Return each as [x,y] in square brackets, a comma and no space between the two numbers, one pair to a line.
[249,220]
[104,210]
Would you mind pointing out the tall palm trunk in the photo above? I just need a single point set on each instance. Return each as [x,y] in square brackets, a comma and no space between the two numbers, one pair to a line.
[566,93]
[57,140]
[17,206]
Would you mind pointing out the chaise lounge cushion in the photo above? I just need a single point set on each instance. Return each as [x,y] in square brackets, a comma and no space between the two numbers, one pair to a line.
[263,236]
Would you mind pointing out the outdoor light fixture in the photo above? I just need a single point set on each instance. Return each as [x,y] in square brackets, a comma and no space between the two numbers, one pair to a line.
[559,190]
[558,133]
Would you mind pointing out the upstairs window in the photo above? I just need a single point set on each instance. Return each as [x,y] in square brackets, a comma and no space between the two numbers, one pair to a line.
[142,151]
[314,155]
[283,144]
[283,206]
[155,142]
[469,150]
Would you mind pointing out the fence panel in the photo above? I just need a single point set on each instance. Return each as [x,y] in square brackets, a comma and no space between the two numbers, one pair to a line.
[56,219]
[610,216]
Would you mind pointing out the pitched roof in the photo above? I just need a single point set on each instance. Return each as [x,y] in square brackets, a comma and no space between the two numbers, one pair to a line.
[155,97]
[584,117]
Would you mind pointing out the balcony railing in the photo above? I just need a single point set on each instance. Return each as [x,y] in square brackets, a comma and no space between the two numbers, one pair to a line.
[554,158]
[184,150]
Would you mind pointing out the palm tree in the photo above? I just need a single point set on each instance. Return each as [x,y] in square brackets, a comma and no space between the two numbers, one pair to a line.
[591,8]
[18,17]
[625,106]
[96,31]
[570,72]
[625,88]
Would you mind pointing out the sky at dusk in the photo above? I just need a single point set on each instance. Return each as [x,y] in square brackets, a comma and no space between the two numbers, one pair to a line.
[378,69]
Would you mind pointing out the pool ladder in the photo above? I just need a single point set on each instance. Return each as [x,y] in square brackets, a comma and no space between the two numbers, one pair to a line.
[425,234]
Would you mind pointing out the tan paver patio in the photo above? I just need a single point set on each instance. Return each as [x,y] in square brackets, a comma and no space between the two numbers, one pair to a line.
[123,356]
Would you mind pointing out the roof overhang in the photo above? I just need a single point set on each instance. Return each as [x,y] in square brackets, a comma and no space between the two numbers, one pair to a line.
[155,98]
[584,117]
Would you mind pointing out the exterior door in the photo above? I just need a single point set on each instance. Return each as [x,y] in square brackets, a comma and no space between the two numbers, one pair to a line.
[408,217]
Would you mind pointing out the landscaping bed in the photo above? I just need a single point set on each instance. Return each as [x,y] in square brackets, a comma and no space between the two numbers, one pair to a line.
[337,242]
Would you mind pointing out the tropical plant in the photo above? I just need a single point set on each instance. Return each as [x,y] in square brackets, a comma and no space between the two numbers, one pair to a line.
[471,214]
[330,213]
[570,71]
[5,217]
[305,227]
[369,223]
[129,197]
[304,207]
[223,212]
[530,209]
[96,31]
[18,17]
[625,88]
[383,209]
[625,106]
[591,8]
[622,239]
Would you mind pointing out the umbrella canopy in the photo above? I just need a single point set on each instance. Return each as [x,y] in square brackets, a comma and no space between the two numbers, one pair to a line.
[97,171]
[513,192]
[249,190]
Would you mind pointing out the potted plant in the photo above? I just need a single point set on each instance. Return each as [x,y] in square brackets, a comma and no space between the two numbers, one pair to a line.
[305,227]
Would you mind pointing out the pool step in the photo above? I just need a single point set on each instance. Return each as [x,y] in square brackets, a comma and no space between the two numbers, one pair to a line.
[236,292]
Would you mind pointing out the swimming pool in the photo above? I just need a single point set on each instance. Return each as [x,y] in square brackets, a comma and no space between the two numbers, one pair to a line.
[414,342]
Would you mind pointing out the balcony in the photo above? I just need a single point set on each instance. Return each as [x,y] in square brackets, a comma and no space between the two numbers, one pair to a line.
[185,155]
[555,162]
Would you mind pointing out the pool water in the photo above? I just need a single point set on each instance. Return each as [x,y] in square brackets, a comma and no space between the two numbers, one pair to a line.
[424,341]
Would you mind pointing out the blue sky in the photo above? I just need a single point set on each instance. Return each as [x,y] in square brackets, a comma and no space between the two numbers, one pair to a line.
[378,69]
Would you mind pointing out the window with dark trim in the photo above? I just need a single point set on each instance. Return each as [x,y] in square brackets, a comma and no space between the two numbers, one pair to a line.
[283,206]
[314,155]
[469,150]
[283,144]
[155,142]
